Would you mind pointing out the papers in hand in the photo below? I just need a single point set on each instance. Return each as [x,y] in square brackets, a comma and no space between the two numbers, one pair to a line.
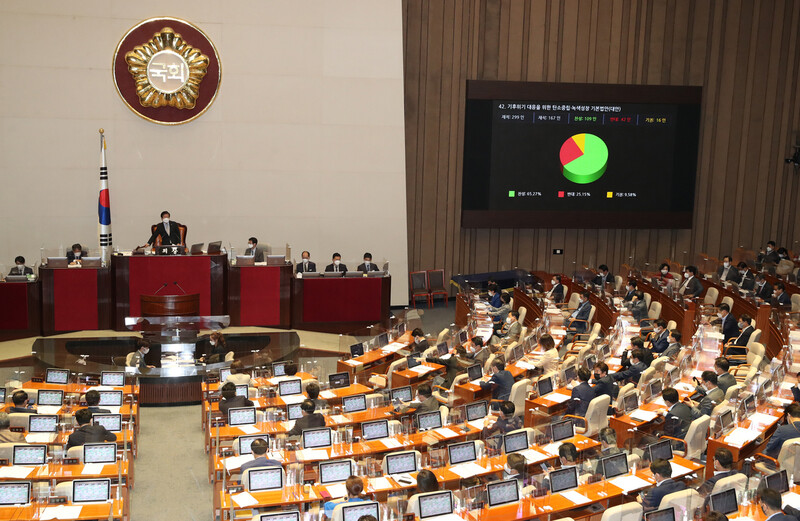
[575,497]
[234,462]
[15,471]
[244,499]
[467,470]
[643,416]
[628,483]
[336,491]
[556,397]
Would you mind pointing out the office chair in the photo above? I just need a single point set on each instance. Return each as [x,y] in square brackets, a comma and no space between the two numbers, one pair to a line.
[737,482]
[788,458]
[696,439]
[684,501]
[627,512]
[596,417]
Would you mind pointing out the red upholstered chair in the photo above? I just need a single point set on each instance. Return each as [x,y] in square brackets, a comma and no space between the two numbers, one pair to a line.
[181,229]
[419,287]
[436,285]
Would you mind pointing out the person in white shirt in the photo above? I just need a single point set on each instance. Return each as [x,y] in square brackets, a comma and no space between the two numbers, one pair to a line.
[548,362]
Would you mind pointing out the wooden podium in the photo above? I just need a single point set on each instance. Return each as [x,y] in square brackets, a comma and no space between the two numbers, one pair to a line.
[170,305]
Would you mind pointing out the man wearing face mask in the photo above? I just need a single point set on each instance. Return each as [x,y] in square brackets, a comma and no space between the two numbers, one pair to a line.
[20,268]
[713,395]
[423,401]
[557,292]
[779,296]
[75,254]
[638,307]
[305,265]
[254,250]
[494,296]
[770,502]
[763,288]
[336,266]
[603,276]
[768,256]
[500,382]
[167,230]
[659,338]
[738,345]
[603,383]
[630,287]
[674,347]
[137,360]
[577,321]
[727,271]
[420,343]
[726,322]
[691,287]
[746,280]
[512,330]
[367,265]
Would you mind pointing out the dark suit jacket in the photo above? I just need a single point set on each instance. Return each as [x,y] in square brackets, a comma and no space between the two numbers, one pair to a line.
[174,236]
[677,420]
[725,381]
[708,402]
[672,350]
[708,485]
[639,310]
[98,410]
[22,410]
[90,434]
[302,268]
[71,256]
[236,401]
[312,421]
[744,336]
[430,404]
[16,271]
[453,366]
[660,343]
[748,282]
[765,291]
[557,293]
[782,433]
[496,302]
[633,373]
[693,287]
[363,267]
[606,385]
[582,313]
[628,296]
[261,461]
[582,394]
[783,300]
[599,279]
[732,275]
[653,497]
[482,356]
[259,254]
[500,383]
[342,267]
[729,328]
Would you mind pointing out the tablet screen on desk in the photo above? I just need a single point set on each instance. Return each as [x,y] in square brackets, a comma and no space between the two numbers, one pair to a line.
[435,504]
[15,493]
[91,490]
[279,368]
[42,423]
[112,378]
[461,452]
[241,416]
[630,402]
[544,386]
[315,438]
[280,516]
[570,373]
[725,502]
[110,398]
[356,511]
[660,450]
[477,410]
[100,453]
[429,420]
[502,492]
[563,479]
[401,462]
[224,374]
[246,441]
[442,349]
[270,478]
[519,352]
[375,430]
[112,422]
[383,339]
[515,442]
[294,411]
[666,514]
[3,395]
[29,455]
[778,481]
[615,465]
[339,380]
[462,337]
[242,390]
[726,418]
[402,393]
[474,372]
[655,388]
[335,471]
[57,376]
[290,387]
[562,430]
[355,403]
[413,361]
[356,350]
[50,397]
[590,361]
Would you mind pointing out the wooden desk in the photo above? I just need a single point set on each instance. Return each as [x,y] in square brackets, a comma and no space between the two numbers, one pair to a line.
[20,310]
[75,299]
[375,361]
[342,304]
[260,295]
[413,378]
[113,510]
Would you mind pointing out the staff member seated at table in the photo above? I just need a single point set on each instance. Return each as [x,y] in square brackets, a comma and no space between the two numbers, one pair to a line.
[92,401]
[168,231]
[309,420]
[6,434]
[137,360]
[659,338]
[511,330]
[603,382]
[88,432]
[500,382]
[678,415]
[603,276]
[674,347]
[556,294]
[355,489]
[494,295]
[662,472]
[582,394]
[305,265]
[21,404]
[691,287]
[723,468]
[785,432]
[456,364]
[725,380]
[635,370]
[259,448]
[779,296]
[75,254]
[423,401]
[20,268]
[713,395]
[367,265]
[336,266]
[481,352]
[548,362]
[577,321]
[254,250]
[230,400]
[505,423]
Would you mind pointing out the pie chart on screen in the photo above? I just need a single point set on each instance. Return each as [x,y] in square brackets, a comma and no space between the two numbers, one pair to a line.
[584,158]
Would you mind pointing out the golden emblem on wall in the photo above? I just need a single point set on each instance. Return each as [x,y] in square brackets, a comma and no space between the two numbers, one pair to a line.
[167,71]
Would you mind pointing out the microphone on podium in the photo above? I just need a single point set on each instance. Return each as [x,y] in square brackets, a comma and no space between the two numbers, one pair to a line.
[159,289]
[179,287]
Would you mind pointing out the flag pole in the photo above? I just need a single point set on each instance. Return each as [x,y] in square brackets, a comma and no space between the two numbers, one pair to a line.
[104,206]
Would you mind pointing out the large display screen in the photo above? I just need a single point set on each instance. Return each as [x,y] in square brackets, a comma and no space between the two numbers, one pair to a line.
[556,155]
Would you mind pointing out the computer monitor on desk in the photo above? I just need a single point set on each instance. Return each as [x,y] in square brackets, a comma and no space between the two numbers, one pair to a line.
[92,262]
[197,249]
[332,274]
[16,278]
[666,514]
[15,493]
[280,516]
[57,262]
[214,247]
[245,260]
[56,376]
[276,260]
[563,479]
[373,274]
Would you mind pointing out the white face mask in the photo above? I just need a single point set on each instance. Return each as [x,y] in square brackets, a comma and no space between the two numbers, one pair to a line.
[76,254]
[508,320]
[742,325]
[418,340]
[726,264]
[769,248]
[305,261]
[212,342]
[366,262]
[664,272]
[165,221]
[555,282]
[337,262]
[249,245]
[720,315]
[145,351]
[688,274]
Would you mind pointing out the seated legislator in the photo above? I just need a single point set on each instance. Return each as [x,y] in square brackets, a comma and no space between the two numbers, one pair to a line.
[455,364]
[691,286]
[21,403]
[168,231]
[556,294]
[727,272]
[770,503]
[662,472]
[423,401]
[312,390]
[426,482]
[789,431]
[578,320]
[20,268]
[582,394]
[712,395]
[768,256]
[603,276]
[608,446]
[636,369]
[726,322]
[500,382]
[674,347]
[309,420]
[637,342]
[630,287]
[505,423]
[510,331]
[678,415]
[568,457]
[259,448]
[93,402]
[230,400]
[637,305]
[763,288]
[238,374]
[6,434]
[420,343]
[254,250]
[367,265]
[723,468]
[603,383]
[336,266]
[659,338]
[548,362]
[738,345]
[746,279]
[305,265]
[87,432]
[664,276]
[725,380]
[481,352]
[494,295]
[779,296]
[355,489]
[500,314]
[75,253]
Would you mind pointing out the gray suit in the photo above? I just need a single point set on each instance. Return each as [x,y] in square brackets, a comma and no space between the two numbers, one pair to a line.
[428,405]
[138,360]
[712,398]
[512,335]
[691,288]
[725,381]
[258,256]
[672,351]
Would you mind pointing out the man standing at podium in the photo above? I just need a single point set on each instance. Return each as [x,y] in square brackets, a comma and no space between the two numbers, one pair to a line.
[168,230]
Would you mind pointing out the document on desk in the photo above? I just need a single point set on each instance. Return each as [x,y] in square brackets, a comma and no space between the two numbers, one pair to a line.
[683,386]
[235,462]
[244,499]
[288,425]
[404,479]
[48,409]
[61,512]
[533,456]
[522,364]
[40,437]
[339,418]
[327,395]
[477,424]
[660,401]
[312,454]
[15,471]
[248,429]
[393,347]
[575,497]
[643,416]
[679,470]
[92,469]
[275,380]
[557,397]
[467,470]
[277,456]
[614,361]
[628,483]
[293,399]
[552,448]
[445,432]
[790,498]
[740,437]
[421,369]
[477,381]
[391,443]
[336,491]
[762,419]
[380,483]
[353,363]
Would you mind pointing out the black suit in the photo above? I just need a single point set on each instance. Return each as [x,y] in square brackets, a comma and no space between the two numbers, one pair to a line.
[500,383]
[90,434]
[660,343]
[16,271]
[609,279]
[236,401]
[372,267]
[71,256]
[454,366]
[744,336]
[653,498]
[633,373]
[708,485]
[171,238]
[605,385]
[764,292]
[729,328]
[732,274]
[782,434]
[557,293]
[677,420]
[332,267]
[781,300]
[691,288]
[303,268]
[748,281]
[258,256]
[311,421]
[582,394]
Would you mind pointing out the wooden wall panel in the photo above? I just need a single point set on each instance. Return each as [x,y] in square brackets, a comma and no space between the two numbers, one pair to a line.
[745,55]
